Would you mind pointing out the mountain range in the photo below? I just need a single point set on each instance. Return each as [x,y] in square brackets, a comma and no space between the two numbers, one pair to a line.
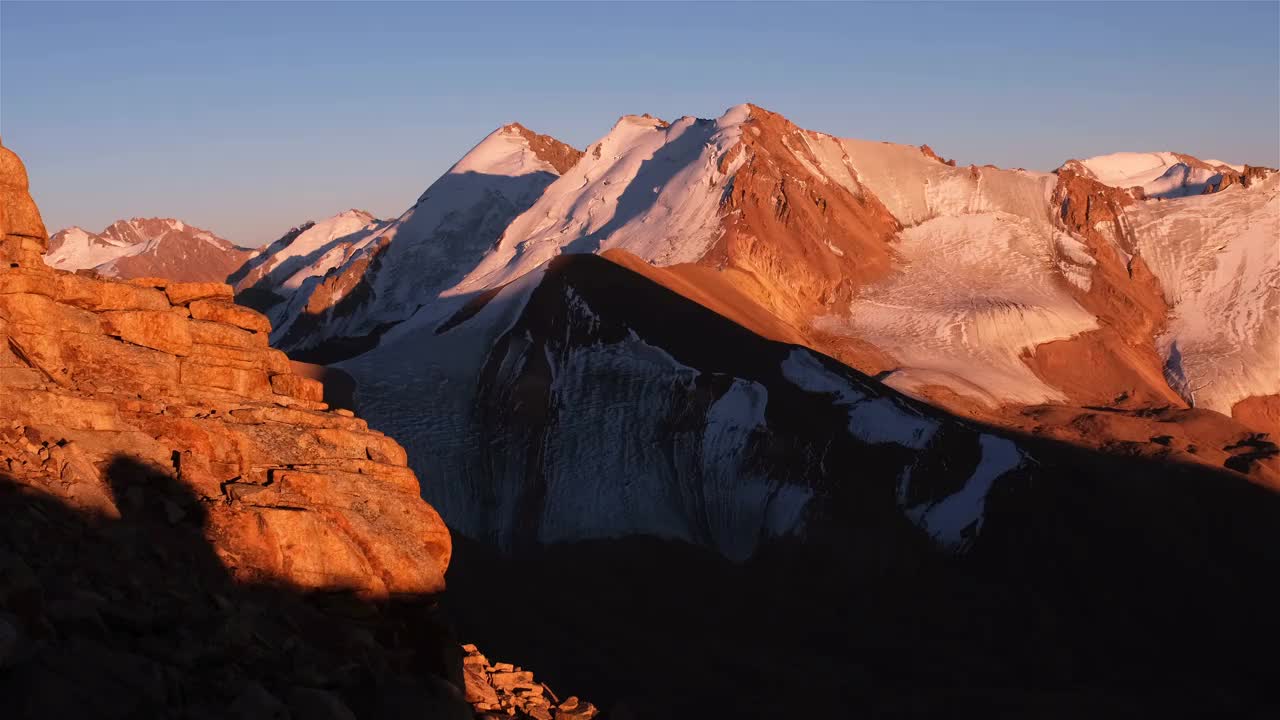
[824,242]
[1009,415]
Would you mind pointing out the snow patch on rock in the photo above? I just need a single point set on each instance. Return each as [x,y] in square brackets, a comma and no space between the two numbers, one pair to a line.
[1159,174]
[955,520]
[871,419]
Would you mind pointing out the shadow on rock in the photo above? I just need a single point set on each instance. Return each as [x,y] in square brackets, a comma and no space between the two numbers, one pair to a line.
[136,616]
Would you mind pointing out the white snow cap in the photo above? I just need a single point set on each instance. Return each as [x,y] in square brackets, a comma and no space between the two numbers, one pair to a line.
[649,187]
[79,249]
[504,151]
[1159,174]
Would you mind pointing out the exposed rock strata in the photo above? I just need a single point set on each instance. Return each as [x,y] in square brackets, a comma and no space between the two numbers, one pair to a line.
[189,529]
[193,390]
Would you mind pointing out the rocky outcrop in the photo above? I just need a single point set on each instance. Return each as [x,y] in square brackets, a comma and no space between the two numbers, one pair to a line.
[929,153]
[548,149]
[22,234]
[502,690]
[1117,362]
[190,530]
[179,377]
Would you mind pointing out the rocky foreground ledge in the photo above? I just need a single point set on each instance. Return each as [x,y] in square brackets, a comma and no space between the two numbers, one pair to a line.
[179,379]
[189,529]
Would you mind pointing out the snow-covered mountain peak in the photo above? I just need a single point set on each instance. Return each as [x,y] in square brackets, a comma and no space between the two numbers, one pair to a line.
[1162,174]
[649,187]
[137,247]
[644,120]
[306,251]
[514,150]
[364,215]
[976,283]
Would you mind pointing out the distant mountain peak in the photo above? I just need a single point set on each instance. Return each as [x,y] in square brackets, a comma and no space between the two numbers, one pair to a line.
[499,153]
[146,247]
[1161,174]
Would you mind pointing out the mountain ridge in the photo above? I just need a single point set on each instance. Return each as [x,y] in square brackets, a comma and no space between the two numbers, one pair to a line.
[820,232]
[142,247]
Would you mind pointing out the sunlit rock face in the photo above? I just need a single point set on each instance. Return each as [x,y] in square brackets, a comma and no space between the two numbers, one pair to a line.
[176,496]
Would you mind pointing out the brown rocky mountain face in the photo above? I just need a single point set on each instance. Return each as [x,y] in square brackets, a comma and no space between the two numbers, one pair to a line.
[548,149]
[190,530]
[148,247]
[1116,363]
[800,241]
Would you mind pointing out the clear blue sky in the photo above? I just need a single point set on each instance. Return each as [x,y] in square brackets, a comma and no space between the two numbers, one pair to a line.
[249,118]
